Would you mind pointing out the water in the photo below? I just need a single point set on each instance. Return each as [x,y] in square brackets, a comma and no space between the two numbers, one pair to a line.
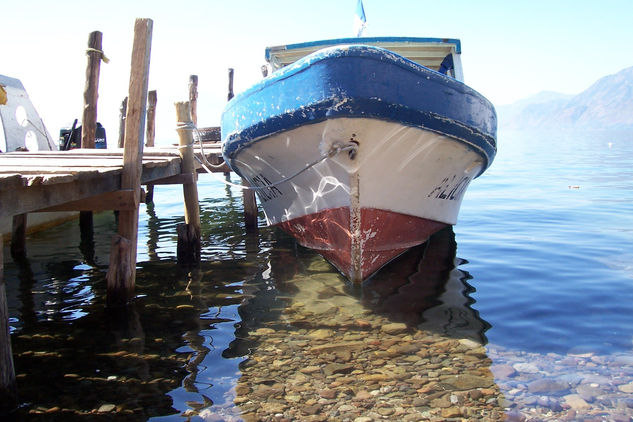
[538,269]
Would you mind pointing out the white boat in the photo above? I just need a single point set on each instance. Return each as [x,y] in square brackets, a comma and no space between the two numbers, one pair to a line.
[361,148]
[22,129]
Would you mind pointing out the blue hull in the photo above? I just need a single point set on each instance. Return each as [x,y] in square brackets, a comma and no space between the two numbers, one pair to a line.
[359,82]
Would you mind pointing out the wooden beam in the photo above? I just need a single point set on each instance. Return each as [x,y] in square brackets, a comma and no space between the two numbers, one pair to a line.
[118,200]
[40,196]
[179,179]
[224,169]
[8,388]
[89,121]
[122,271]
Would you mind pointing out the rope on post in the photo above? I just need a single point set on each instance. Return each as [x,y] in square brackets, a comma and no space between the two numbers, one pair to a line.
[101,54]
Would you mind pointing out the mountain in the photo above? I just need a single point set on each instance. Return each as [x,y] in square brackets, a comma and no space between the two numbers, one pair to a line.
[607,104]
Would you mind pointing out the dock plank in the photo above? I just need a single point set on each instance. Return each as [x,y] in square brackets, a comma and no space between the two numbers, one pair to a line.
[32,181]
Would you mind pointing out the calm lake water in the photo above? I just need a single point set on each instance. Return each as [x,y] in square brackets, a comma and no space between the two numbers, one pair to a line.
[538,270]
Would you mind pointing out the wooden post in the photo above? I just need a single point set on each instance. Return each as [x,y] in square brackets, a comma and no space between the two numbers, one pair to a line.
[122,113]
[18,236]
[193,98]
[8,389]
[89,121]
[86,226]
[122,271]
[248,195]
[250,207]
[188,249]
[230,95]
[151,118]
[151,134]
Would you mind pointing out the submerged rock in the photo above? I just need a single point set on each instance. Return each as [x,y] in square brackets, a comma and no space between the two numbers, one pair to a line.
[547,386]
[394,328]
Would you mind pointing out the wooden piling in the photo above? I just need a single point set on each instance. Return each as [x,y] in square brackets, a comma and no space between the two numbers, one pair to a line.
[151,118]
[230,95]
[122,271]
[188,248]
[8,389]
[86,225]
[18,236]
[248,195]
[193,98]
[151,134]
[250,207]
[122,114]
[89,121]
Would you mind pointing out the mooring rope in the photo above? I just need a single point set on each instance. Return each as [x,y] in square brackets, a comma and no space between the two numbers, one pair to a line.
[335,149]
[100,52]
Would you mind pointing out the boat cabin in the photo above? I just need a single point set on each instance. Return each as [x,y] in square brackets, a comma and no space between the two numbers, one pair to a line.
[439,54]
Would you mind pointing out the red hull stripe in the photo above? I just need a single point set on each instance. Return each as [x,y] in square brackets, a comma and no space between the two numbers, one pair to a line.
[383,235]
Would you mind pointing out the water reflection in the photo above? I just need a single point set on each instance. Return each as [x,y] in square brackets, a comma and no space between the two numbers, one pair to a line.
[426,288]
[261,327]
[158,357]
[405,346]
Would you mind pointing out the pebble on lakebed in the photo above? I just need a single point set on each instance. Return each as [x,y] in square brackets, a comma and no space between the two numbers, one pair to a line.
[331,358]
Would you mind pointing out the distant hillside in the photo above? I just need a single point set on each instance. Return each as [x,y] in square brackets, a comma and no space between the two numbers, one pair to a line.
[608,103]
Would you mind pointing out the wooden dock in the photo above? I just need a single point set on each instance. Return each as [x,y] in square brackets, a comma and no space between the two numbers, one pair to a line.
[88,180]
[85,179]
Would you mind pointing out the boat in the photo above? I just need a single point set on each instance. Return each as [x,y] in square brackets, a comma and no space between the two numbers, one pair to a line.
[22,129]
[361,148]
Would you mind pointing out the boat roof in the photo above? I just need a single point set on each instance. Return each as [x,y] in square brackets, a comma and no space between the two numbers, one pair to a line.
[429,52]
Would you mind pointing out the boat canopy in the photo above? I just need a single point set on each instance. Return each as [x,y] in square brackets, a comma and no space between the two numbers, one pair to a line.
[429,52]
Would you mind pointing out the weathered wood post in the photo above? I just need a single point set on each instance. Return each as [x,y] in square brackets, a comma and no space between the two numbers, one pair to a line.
[248,195]
[151,118]
[89,120]
[188,248]
[122,271]
[91,90]
[250,207]
[151,134]
[230,94]
[122,113]
[18,236]
[193,98]
[8,389]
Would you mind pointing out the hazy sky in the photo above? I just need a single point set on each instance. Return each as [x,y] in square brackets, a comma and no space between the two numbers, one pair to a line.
[510,49]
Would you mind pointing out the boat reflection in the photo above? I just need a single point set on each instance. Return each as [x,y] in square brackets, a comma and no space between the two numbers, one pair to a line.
[425,288]
[406,343]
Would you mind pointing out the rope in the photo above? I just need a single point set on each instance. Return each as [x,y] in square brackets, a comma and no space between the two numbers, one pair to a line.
[100,52]
[335,149]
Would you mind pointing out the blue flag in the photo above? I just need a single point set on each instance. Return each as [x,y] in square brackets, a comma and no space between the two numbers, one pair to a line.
[359,19]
